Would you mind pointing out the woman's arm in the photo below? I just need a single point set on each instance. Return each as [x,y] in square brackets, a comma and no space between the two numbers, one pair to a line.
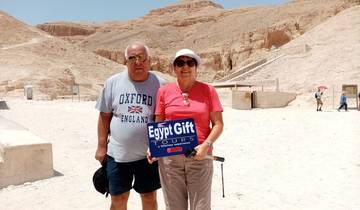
[217,127]
[159,118]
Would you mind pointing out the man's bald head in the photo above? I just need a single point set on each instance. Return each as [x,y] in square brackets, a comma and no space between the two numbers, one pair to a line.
[136,45]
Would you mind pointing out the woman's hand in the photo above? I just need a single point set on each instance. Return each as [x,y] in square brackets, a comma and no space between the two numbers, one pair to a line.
[201,151]
[150,158]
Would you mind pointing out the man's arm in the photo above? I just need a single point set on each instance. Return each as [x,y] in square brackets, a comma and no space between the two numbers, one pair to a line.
[103,132]
[158,118]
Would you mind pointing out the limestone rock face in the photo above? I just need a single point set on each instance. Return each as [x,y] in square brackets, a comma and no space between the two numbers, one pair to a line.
[62,54]
[116,56]
[277,38]
[226,39]
[67,29]
[328,54]
[188,6]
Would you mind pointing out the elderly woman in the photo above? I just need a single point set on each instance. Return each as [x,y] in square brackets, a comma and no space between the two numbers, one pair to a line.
[188,180]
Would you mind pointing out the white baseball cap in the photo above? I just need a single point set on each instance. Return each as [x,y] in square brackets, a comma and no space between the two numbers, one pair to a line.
[188,53]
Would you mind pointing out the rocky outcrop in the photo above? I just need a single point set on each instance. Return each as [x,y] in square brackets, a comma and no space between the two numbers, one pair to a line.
[277,38]
[67,29]
[187,6]
[117,56]
[225,39]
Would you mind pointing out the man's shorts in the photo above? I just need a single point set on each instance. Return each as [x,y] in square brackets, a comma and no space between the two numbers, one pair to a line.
[121,175]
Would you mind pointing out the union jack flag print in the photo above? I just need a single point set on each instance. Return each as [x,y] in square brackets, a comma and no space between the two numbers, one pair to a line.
[135,109]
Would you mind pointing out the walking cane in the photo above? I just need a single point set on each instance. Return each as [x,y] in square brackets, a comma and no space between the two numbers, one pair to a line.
[192,153]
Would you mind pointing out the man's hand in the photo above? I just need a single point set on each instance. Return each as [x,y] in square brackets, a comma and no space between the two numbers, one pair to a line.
[103,132]
[150,158]
[100,154]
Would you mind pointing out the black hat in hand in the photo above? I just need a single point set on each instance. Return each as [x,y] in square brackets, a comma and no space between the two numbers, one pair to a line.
[100,181]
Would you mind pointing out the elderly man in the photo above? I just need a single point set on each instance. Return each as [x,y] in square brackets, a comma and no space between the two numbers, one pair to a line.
[126,105]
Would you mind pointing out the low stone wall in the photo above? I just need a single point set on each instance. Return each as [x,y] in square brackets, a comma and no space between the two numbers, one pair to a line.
[248,99]
[272,99]
[225,96]
[241,100]
[24,157]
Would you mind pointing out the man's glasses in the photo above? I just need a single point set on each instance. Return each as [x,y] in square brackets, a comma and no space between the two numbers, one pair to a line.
[137,58]
[189,63]
[186,99]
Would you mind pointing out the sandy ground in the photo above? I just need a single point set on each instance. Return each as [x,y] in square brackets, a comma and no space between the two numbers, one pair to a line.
[276,159]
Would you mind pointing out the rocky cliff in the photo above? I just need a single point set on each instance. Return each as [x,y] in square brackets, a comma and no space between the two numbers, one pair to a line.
[226,39]
[67,29]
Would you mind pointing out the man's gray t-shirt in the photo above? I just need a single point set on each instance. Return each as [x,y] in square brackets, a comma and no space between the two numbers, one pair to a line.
[132,105]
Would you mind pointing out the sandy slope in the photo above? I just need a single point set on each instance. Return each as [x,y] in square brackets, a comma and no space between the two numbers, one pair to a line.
[332,58]
[286,159]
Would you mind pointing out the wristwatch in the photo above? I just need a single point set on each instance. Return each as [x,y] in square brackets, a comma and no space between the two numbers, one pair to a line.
[209,143]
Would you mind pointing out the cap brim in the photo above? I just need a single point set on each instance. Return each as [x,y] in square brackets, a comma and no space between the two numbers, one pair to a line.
[187,53]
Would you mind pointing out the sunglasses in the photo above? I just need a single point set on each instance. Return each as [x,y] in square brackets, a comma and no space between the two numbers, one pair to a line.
[189,63]
[186,99]
[137,58]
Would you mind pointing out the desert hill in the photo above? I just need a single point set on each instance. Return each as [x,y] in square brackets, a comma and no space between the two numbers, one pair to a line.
[29,56]
[55,56]
[328,54]
[15,32]
[226,39]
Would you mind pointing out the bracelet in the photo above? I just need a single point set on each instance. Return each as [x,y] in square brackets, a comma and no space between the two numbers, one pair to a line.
[209,143]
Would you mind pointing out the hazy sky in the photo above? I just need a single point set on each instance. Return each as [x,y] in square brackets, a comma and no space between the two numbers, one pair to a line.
[40,11]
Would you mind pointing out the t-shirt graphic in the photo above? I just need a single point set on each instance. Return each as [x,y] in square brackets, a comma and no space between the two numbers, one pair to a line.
[132,105]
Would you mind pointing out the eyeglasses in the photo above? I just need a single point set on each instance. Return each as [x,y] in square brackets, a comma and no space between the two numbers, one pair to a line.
[137,58]
[189,63]
[186,99]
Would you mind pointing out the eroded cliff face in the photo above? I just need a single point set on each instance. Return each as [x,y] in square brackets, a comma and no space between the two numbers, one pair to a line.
[67,29]
[226,39]
[69,53]
[189,6]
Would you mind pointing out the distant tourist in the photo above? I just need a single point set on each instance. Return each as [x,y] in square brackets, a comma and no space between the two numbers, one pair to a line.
[186,182]
[126,105]
[319,102]
[343,101]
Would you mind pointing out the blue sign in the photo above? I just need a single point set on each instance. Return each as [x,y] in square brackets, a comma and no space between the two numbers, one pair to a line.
[172,137]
